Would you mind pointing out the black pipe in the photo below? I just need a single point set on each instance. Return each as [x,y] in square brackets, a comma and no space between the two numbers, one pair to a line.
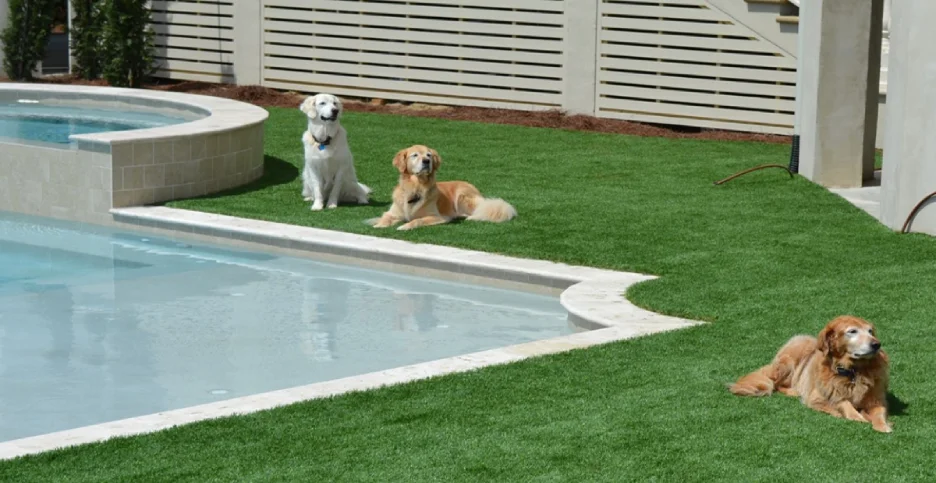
[794,155]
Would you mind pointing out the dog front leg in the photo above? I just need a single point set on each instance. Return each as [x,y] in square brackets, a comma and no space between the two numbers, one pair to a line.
[877,415]
[388,219]
[424,221]
[315,189]
[843,409]
[335,193]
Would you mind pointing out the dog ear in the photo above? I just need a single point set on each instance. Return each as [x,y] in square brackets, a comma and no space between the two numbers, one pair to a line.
[826,342]
[399,161]
[308,105]
[436,160]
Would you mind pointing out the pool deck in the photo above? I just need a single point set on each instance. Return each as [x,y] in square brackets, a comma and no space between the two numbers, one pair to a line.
[594,299]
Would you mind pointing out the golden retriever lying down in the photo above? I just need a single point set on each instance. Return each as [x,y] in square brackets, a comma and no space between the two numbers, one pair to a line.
[843,373]
[419,200]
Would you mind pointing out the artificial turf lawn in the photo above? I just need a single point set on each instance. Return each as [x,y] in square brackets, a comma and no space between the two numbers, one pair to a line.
[762,258]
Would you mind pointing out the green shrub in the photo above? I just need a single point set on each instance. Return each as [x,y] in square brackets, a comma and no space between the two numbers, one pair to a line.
[128,42]
[86,30]
[26,36]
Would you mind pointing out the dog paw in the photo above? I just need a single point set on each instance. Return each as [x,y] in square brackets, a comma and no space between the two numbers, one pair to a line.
[405,227]
[332,206]
[883,428]
[306,198]
[316,207]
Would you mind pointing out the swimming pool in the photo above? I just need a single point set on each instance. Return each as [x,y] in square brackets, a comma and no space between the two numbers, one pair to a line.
[54,124]
[102,324]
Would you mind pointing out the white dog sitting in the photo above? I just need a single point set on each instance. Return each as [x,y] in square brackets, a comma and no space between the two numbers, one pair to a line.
[328,176]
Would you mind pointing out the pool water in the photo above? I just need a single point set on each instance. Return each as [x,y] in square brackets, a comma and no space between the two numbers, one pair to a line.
[54,124]
[100,324]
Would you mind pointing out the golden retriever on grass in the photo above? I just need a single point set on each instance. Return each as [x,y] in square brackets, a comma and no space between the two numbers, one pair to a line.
[419,200]
[843,372]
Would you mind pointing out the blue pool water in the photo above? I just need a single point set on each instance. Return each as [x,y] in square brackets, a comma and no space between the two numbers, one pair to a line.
[54,124]
[103,325]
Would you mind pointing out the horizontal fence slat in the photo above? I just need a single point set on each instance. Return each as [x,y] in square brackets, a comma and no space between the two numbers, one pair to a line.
[414,27]
[660,11]
[699,122]
[385,85]
[425,75]
[187,31]
[204,68]
[678,68]
[404,60]
[217,8]
[206,21]
[194,55]
[532,12]
[672,26]
[403,35]
[274,39]
[699,84]
[404,96]
[700,112]
[191,43]
[698,56]
[701,98]
[685,41]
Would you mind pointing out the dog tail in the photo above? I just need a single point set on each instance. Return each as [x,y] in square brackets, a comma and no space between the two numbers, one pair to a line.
[756,384]
[493,209]
[366,189]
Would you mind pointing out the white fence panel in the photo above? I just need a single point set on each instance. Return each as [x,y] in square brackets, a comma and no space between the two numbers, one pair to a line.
[495,53]
[194,39]
[684,62]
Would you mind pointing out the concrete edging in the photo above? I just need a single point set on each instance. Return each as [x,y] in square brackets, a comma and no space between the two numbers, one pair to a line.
[593,297]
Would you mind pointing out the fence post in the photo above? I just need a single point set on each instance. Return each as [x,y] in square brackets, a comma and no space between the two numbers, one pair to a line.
[580,69]
[248,42]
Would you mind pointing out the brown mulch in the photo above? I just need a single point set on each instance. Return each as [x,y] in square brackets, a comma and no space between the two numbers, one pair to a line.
[266,97]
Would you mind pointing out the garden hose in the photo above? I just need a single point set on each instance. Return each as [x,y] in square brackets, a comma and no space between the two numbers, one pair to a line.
[793,168]
[915,210]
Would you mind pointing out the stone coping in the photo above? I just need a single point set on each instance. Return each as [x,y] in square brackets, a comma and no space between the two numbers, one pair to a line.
[593,297]
[208,114]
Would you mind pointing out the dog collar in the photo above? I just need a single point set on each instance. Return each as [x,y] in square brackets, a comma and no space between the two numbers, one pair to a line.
[414,199]
[322,144]
[849,373]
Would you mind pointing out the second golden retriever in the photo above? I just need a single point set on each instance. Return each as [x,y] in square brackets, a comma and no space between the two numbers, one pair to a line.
[843,372]
[419,200]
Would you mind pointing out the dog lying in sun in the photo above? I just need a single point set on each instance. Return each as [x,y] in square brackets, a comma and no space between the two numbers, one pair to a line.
[419,200]
[843,372]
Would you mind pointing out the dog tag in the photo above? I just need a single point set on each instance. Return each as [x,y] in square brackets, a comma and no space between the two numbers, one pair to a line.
[321,147]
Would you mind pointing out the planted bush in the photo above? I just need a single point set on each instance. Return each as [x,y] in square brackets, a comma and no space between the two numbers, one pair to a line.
[26,36]
[86,32]
[128,42]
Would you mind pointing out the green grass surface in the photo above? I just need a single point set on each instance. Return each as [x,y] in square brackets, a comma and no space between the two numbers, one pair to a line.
[761,258]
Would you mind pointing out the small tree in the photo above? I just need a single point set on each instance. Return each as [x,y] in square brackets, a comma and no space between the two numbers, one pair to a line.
[86,31]
[128,42]
[26,37]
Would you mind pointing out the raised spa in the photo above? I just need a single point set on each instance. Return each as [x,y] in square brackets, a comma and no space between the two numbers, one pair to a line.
[76,152]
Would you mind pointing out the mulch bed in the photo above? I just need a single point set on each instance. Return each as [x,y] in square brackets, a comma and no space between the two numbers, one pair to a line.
[266,97]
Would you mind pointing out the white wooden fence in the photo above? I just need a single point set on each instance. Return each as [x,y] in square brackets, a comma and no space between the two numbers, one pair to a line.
[667,61]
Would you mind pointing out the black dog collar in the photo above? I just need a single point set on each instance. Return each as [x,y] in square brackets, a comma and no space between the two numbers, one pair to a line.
[849,373]
[324,143]
[414,199]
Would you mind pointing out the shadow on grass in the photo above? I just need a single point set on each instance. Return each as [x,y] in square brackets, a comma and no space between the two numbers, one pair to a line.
[895,407]
[275,172]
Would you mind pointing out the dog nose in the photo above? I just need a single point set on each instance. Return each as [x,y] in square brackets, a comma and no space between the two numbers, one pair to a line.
[426,161]
[875,345]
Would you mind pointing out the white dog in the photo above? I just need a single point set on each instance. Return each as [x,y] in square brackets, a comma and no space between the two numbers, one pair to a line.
[328,176]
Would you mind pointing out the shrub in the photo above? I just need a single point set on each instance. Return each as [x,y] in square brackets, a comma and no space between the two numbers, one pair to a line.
[86,31]
[128,42]
[26,36]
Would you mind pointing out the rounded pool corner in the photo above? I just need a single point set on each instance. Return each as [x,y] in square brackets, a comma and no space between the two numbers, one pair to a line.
[218,146]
